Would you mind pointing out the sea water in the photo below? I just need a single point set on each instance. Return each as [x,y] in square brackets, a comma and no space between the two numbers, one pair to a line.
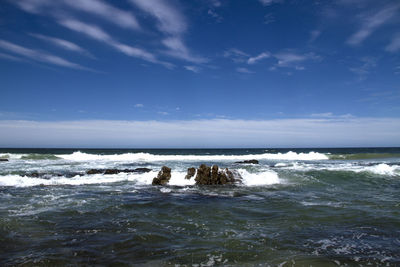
[298,207]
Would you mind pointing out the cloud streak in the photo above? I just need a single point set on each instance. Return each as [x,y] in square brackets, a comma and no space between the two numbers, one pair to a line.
[99,34]
[371,23]
[314,132]
[40,56]
[171,23]
[64,44]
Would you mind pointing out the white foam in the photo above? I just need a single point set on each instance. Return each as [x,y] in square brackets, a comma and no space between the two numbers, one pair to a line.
[24,181]
[147,157]
[178,178]
[261,178]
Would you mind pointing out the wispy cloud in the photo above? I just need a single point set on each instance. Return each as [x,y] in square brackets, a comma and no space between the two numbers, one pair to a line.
[269,2]
[244,70]
[10,57]
[372,23]
[363,70]
[194,69]
[96,7]
[40,56]
[261,56]
[172,23]
[139,105]
[314,35]
[306,132]
[269,18]
[117,16]
[394,45]
[67,45]
[236,55]
[99,34]
[294,60]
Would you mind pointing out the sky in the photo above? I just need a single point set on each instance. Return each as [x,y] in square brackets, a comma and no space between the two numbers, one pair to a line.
[199,73]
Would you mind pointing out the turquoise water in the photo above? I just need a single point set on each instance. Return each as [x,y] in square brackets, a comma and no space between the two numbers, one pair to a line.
[301,207]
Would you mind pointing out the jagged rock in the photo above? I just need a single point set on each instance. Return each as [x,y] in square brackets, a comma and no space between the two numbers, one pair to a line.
[163,176]
[190,173]
[213,176]
[116,171]
[253,161]
[3,159]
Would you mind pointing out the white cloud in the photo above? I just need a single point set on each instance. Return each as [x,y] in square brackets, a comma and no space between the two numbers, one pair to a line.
[97,7]
[40,56]
[163,113]
[244,70]
[203,133]
[67,45]
[117,16]
[236,55]
[99,34]
[179,50]
[172,23]
[193,69]
[372,23]
[261,56]
[293,60]
[139,106]
[394,45]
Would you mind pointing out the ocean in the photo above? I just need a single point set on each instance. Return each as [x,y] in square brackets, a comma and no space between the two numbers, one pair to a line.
[297,207]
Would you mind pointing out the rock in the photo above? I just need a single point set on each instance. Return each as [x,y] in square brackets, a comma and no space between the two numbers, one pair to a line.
[213,176]
[3,159]
[253,161]
[190,173]
[163,176]
[34,174]
[116,171]
[94,171]
[112,171]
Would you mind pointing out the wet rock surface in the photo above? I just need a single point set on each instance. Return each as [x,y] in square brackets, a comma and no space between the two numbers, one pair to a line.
[252,161]
[214,176]
[3,159]
[163,176]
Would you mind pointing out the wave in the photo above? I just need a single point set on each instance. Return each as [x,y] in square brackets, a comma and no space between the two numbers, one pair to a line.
[380,169]
[177,179]
[33,156]
[147,157]
[363,156]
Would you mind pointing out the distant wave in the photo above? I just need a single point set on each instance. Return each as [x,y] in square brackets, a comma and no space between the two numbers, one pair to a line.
[147,157]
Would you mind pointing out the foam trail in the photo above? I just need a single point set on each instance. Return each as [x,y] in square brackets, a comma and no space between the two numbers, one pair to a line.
[261,178]
[147,157]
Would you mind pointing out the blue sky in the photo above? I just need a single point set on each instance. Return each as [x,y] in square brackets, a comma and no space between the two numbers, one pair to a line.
[170,62]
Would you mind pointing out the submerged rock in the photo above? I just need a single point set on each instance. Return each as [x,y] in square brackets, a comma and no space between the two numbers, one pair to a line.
[190,173]
[213,176]
[252,161]
[163,176]
[116,171]
[3,159]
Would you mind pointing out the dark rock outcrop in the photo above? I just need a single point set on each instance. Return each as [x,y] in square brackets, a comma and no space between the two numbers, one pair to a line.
[190,173]
[163,176]
[116,171]
[3,159]
[213,176]
[252,161]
